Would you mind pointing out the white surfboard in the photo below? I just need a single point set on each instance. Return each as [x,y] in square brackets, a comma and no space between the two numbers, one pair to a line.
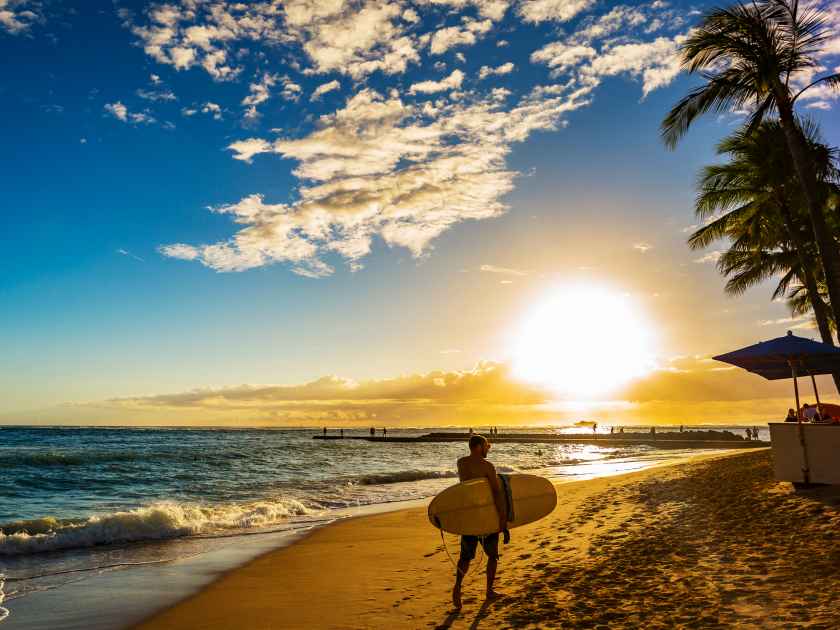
[468,507]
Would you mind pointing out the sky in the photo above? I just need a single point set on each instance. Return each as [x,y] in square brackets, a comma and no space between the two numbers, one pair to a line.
[331,212]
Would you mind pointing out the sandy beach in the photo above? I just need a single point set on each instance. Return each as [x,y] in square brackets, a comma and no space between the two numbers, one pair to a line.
[710,542]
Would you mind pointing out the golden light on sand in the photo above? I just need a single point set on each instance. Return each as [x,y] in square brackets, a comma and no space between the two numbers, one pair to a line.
[583,342]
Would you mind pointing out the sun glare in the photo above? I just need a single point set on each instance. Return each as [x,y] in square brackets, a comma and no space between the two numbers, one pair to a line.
[583,343]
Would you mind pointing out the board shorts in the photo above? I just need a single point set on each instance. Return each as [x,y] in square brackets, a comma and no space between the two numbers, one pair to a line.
[489,543]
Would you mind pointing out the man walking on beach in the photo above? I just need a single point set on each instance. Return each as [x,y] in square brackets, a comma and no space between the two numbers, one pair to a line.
[476,466]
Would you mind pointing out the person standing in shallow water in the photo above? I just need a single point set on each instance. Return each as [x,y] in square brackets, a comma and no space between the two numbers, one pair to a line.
[476,466]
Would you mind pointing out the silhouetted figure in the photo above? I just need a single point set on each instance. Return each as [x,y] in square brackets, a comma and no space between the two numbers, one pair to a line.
[749,433]
[594,427]
[325,430]
[372,432]
[621,429]
[791,417]
[384,432]
[476,466]
[612,430]
[342,432]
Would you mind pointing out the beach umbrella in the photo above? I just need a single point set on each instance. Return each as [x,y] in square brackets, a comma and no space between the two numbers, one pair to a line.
[788,357]
[785,357]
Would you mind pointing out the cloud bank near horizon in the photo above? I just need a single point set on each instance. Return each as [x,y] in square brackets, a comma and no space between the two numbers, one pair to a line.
[686,390]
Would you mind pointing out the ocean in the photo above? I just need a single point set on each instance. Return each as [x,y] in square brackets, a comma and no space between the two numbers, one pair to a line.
[83,503]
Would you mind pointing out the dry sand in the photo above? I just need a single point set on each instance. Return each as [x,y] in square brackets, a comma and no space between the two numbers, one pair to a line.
[713,542]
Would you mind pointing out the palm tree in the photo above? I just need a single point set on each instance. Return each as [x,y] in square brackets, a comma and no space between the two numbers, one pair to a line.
[756,202]
[751,56]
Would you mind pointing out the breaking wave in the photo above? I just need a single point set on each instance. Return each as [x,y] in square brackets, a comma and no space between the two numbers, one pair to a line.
[416,475]
[405,475]
[159,521]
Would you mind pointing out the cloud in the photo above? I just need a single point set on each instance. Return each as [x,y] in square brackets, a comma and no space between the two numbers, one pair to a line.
[710,258]
[259,93]
[356,40]
[399,399]
[197,34]
[213,109]
[464,35]
[537,11]
[125,252]
[453,81]
[382,168]
[18,16]
[246,149]
[643,248]
[503,270]
[491,9]
[179,251]
[117,110]
[157,95]
[803,322]
[684,390]
[120,112]
[486,71]
[592,52]
[322,89]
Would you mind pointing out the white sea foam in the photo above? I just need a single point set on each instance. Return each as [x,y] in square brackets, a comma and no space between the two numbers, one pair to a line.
[4,612]
[156,522]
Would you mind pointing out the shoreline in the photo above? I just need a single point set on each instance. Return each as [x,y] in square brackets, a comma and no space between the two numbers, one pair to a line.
[367,551]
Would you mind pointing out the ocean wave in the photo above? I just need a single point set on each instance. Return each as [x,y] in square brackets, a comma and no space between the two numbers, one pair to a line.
[405,475]
[158,521]
[78,458]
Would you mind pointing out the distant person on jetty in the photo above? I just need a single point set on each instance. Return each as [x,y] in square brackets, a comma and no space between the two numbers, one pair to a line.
[325,430]
[791,417]
[372,432]
[476,466]
[384,432]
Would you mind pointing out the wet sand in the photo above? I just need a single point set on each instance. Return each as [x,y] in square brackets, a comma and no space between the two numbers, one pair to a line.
[707,543]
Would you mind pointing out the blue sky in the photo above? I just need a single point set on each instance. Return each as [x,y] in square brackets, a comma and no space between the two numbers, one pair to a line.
[181,210]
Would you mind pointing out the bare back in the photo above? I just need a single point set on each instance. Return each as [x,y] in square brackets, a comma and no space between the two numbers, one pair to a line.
[472,467]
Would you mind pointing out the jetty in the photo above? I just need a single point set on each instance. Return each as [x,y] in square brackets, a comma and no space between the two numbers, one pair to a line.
[670,439]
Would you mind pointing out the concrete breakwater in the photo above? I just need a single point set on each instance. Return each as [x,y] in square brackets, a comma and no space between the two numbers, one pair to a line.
[688,439]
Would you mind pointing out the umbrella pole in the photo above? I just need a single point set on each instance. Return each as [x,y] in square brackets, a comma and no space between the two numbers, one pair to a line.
[816,393]
[806,472]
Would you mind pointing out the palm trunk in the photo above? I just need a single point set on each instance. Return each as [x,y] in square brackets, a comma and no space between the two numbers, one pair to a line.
[810,281]
[826,246]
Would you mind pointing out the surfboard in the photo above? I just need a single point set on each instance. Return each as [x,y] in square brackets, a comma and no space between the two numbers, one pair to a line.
[468,508]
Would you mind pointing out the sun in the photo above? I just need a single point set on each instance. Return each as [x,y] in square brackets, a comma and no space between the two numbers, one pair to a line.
[583,342]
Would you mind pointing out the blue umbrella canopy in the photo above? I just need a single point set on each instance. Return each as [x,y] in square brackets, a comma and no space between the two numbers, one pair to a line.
[775,359]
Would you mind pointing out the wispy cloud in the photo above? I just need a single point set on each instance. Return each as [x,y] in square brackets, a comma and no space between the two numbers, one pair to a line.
[451,82]
[121,113]
[125,252]
[508,271]
[324,88]
[486,71]
[709,258]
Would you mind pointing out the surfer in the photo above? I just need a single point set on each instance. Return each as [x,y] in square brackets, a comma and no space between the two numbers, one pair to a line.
[476,466]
